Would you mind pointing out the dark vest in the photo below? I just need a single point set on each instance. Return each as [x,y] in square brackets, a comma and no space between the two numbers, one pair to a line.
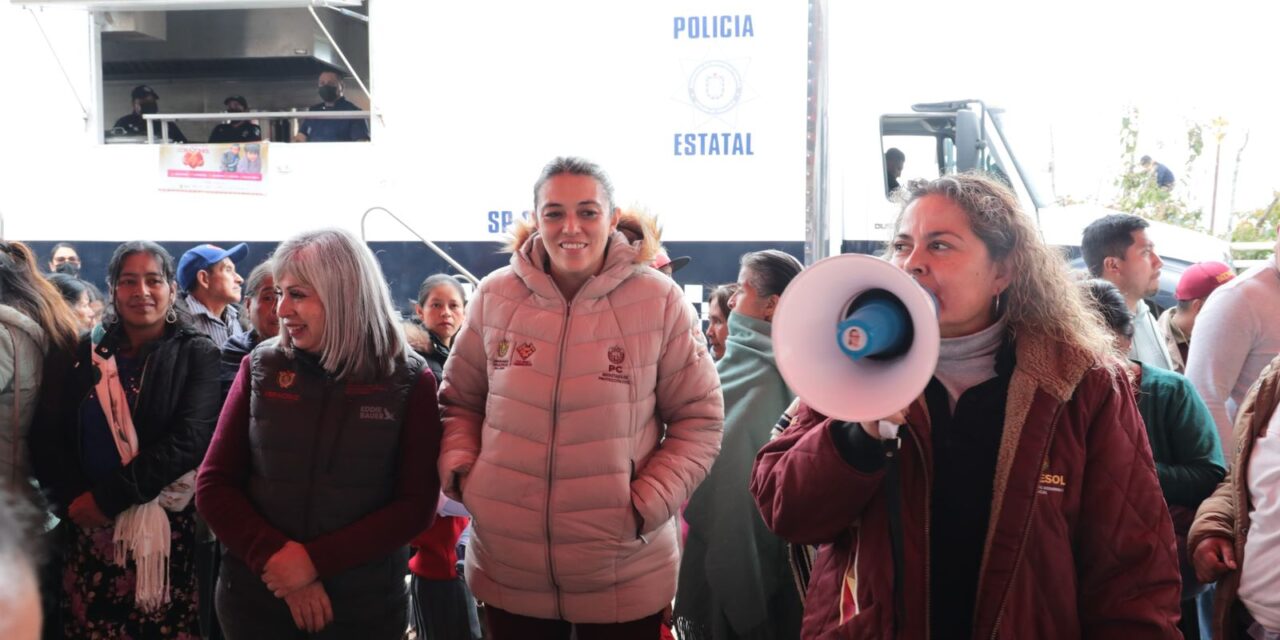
[324,453]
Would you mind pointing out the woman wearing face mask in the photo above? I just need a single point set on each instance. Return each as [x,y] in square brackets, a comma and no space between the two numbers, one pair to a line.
[735,581]
[718,318]
[320,471]
[117,452]
[1027,499]
[260,303]
[570,363]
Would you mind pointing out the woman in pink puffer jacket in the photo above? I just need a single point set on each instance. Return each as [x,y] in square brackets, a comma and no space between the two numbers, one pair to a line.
[581,409]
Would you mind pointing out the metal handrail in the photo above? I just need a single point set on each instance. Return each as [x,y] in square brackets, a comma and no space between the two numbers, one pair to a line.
[164,118]
[430,245]
[1261,245]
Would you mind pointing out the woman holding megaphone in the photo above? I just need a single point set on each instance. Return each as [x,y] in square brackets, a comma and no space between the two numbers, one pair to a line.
[1019,499]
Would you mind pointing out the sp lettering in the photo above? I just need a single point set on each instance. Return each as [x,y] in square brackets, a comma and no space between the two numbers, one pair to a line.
[500,221]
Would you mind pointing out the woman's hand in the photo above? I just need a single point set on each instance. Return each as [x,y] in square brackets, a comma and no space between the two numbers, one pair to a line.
[310,607]
[873,428]
[1213,558]
[84,512]
[289,570]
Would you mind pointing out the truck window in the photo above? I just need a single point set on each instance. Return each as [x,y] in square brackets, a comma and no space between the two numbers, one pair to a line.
[919,159]
[211,61]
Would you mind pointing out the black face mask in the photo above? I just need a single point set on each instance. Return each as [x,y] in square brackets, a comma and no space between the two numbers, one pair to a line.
[328,93]
[149,107]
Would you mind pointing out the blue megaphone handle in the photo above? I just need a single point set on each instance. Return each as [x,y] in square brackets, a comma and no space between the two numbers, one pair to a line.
[876,327]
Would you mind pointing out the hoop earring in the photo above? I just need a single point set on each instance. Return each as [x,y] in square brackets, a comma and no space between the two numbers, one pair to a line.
[171,317]
[997,297]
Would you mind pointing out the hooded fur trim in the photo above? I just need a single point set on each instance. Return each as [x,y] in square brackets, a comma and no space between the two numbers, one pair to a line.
[638,226]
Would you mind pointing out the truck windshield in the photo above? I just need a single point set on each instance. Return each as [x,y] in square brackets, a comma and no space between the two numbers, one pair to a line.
[1031,155]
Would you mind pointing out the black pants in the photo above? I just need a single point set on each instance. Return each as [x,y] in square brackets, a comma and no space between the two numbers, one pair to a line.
[248,611]
[208,560]
[444,610]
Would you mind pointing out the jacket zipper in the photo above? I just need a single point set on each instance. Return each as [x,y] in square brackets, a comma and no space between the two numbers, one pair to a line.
[315,461]
[142,382]
[551,452]
[1026,525]
[928,499]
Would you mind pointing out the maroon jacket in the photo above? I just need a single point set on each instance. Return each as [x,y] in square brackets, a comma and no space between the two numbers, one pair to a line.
[1079,542]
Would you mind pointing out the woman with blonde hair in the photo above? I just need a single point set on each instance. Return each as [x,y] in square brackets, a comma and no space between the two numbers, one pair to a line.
[1019,499]
[581,410]
[321,468]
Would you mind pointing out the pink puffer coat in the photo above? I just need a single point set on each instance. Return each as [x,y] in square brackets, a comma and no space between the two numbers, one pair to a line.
[563,422]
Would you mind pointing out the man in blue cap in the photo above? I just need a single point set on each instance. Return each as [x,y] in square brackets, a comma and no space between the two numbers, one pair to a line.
[211,288]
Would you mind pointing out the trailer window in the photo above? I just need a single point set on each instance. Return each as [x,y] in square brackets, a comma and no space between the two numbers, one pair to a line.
[204,62]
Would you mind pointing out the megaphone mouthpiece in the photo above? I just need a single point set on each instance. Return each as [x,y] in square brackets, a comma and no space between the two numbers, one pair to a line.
[877,325]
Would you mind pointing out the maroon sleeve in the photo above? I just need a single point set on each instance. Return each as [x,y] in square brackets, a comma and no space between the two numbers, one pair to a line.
[806,492]
[1126,557]
[412,508]
[221,496]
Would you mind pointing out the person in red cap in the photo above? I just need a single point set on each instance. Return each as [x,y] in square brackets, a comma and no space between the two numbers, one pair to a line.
[1197,282]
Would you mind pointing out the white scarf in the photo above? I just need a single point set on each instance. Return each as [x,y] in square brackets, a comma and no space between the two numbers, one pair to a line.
[142,530]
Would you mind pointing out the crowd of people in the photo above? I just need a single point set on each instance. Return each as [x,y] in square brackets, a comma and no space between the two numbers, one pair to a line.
[565,451]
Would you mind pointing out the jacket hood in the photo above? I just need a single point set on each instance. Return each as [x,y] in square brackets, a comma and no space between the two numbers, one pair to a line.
[636,226]
[21,322]
[1054,366]
[631,248]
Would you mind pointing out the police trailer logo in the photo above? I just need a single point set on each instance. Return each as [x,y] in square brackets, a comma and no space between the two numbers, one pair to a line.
[285,379]
[715,87]
[715,56]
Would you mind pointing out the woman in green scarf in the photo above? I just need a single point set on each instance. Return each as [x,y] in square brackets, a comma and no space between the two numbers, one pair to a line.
[735,580]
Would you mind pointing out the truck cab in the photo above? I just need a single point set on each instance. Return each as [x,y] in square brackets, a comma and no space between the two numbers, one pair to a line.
[941,138]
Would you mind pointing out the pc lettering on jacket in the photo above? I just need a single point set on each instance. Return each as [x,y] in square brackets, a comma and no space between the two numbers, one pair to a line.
[615,370]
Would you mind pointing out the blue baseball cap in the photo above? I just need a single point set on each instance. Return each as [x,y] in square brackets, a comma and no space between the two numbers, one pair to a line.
[203,257]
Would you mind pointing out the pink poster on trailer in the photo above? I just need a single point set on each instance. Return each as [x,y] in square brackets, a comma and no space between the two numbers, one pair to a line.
[214,168]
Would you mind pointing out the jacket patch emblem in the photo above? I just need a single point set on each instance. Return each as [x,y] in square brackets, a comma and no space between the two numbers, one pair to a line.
[616,372]
[1051,482]
[523,351]
[500,361]
[376,413]
[285,379]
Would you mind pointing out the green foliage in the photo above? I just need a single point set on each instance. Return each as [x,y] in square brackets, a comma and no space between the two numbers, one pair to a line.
[1258,225]
[1139,194]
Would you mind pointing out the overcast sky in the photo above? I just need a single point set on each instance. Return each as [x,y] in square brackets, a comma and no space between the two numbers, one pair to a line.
[1074,67]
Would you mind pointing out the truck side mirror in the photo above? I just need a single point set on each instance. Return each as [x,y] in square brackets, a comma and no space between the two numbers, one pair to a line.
[968,140]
